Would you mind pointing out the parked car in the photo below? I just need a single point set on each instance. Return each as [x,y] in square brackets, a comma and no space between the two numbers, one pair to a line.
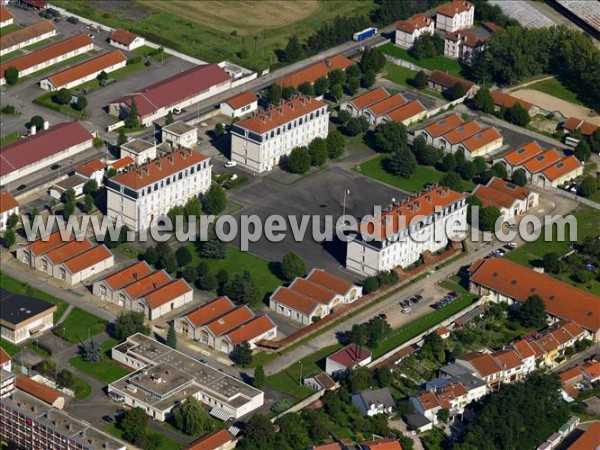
[382,316]
[108,419]
[512,245]
[91,35]
[177,111]
[74,20]
[406,311]
[230,164]
[21,187]
[55,166]
[453,294]
[419,297]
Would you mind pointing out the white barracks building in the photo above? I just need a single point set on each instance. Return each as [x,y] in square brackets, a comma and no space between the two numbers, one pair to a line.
[402,232]
[259,142]
[153,188]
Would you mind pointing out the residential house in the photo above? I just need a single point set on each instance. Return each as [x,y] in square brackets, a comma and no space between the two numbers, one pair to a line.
[357,104]
[451,396]
[471,139]
[463,45]
[588,440]
[510,199]
[515,158]
[217,440]
[240,105]
[8,207]
[139,150]
[591,371]
[74,182]
[260,142]
[407,114]
[374,401]
[507,101]
[108,287]
[443,81]
[409,31]
[380,444]
[40,391]
[179,134]
[6,18]
[561,172]
[91,170]
[432,132]
[374,113]
[349,357]
[23,317]
[123,164]
[26,36]
[574,125]
[320,381]
[455,15]
[125,40]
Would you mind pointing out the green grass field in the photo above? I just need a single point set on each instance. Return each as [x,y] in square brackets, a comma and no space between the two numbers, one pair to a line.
[80,325]
[82,389]
[9,347]
[11,55]
[437,62]
[247,33]
[9,139]
[10,28]
[105,370]
[45,100]
[374,168]
[556,89]
[402,75]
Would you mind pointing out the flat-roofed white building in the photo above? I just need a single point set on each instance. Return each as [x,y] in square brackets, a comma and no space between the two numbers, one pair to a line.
[455,15]
[180,134]
[149,191]
[8,207]
[139,150]
[163,378]
[409,31]
[260,142]
[403,232]
[23,317]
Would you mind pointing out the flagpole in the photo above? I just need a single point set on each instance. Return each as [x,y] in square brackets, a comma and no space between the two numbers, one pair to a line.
[344,208]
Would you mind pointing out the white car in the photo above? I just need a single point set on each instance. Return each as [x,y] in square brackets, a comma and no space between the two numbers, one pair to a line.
[230,164]
[512,245]
[406,311]
[176,111]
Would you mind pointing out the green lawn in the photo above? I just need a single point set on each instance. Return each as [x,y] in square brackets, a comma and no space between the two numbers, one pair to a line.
[105,370]
[437,62]
[146,50]
[556,89]
[41,44]
[9,138]
[15,286]
[165,443]
[374,168]
[129,250]
[402,75]
[9,347]
[10,28]
[238,261]
[82,389]
[46,101]
[80,325]
[11,55]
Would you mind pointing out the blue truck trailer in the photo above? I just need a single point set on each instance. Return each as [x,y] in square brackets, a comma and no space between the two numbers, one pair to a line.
[364,34]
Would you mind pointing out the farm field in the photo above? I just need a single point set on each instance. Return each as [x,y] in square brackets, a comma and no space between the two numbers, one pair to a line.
[244,32]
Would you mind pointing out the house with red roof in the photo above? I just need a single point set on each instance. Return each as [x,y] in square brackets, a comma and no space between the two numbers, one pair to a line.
[108,287]
[6,18]
[409,31]
[380,444]
[8,207]
[347,358]
[91,170]
[510,199]
[42,149]
[5,360]
[25,36]
[357,104]
[454,15]
[240,105]
[470,138]
[452,396]
[464,44]
[432,132]
[574,125]
[217,440]
[41,391]
[443,81]
[125,40]
[504,100]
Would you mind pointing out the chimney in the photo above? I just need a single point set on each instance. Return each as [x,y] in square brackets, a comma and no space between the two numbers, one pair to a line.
[159,164]
[32,130]
[328,63]
[135,276]
[46,125]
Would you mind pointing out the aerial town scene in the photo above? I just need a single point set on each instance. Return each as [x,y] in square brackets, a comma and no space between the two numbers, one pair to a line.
[300,224]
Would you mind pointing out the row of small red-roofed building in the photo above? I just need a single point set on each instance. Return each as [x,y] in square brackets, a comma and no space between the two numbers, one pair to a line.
[579,378]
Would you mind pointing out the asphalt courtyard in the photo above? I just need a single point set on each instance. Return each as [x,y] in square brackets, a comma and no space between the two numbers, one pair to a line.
[319,194]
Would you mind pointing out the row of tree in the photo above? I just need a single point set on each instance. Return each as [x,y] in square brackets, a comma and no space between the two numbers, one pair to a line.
[301,159]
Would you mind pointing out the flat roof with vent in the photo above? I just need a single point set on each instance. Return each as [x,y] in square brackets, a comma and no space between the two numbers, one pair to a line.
[15,308]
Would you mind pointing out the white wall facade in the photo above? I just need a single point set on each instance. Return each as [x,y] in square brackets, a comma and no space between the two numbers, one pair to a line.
[61,272]
[137,42]
[5,215]
[186,140]
[28,42]
[23,332]
[47,85]
[407,40]
[246,109]
[458,22]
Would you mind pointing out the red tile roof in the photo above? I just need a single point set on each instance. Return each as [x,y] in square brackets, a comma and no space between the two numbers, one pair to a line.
[448,80]
[25,34]
[230,320]
[42,145]
[443,125]
[313,290]
[442,331]
[47,53]
[122,163]
[519,283]
[295,300]
[369,98]
[251,330]
[312,73]
[330,281]
[520,155]
[587,129]
[570,374]
[406,112]
[508,101]
[450,392]
[492,197]
[350,355]
[4,357]
[592,369]
[122,37]
[88,259]
[158,169]
[454,7]
[589,440]
[171,91]
[523,348]
[484,363]
[562,168]
[469,39]
[387,105]
[210,311]
[5,15]
[88,169]
[479,140]
[128,275]
[416,22]
[509,188]
[279,115]
[462,132]
[541,161]
[213,441]
[167,293]
[147,284]
[420,205]
[42,246]
[243,99]
[572,123]
[509,359]
[7,202]
[429,401]
[38,390]
[382,444]
[67,251]
[86,68]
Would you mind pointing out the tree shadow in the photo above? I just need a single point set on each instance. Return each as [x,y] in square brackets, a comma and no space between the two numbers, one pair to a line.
[276,269]
[336,248]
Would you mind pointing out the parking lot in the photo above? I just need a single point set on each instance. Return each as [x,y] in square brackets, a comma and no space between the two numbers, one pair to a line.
[320,194]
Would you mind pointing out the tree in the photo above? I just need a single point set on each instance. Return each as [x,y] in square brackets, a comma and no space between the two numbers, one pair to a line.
[317,150]
[352,85]
[189,274]
[533,312]
[519,178]
[242,289]
[372,59]
[369,79]
[151,256]
[259,432]
[274,94]
[81,103]
[293,50]
[174,212]
[483,101]
[91,351]
[292,266]
[370,284]
[306,89]
[222,277]
[499,170]
[443,415]
[90,186]
[13,221]
[134,423]
[184,256]
[192,418]
[321,86]
[168,262]
[588,186]
[207,282]
[9,239]
[172,336]
[122,138]
[384,376]
[259,377]
[299,160]
[474,202]
[420,80]
[288,92]
[65,378]
[356,126]
[102,77]
[424,47]
[455,92]
[352,71]
[38,121]
[344,116]
[518,115]
[359,379]
[213,247]
[402,163]
[215,200]
[582,152]
[452,181]
[192,208]
[68,210]
[337,92]
[335,143]
[242,354]
[426,155]
[219,130]
[88,203]
[582,275]
[11,75]
[552,263]
[63,96]
[133,119]
[467,170]
[337,76]
[391,136]
[488,217]
[129,323]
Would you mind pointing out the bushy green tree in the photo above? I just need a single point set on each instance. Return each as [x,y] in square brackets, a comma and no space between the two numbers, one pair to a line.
[402,163]
[293,50]
[488,217]
[344,116]
[588,186]
[335,143]
[62,97]
[420,80]
[133,118]
[259,377]
[483,101]
[532,313]
[134,423]
[448,163]
[299,160]
[81,103]
[337,76]
[306,88]
[321,86]
[391,136]
[369,79]
[292,266]
[372,59]
[38,121]
[192,418]
[91,351]
[242,289]
[215,200]
[242,354]
[90,186]
[452,181]
[317,150]
[583,152]
[337,92]
[274,94]
[11,75]
[184,256]
[128,323]
[518,115]
[519,177]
